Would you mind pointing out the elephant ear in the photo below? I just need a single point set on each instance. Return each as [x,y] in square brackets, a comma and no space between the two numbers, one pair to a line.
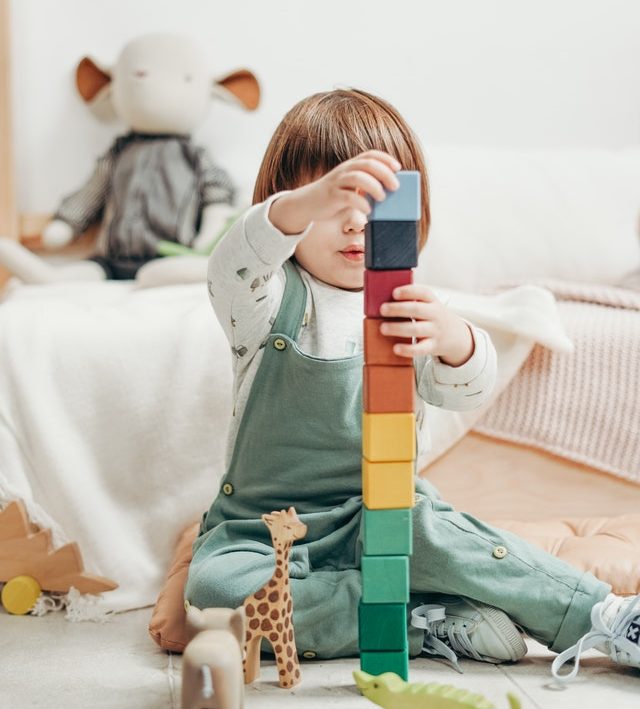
[237,624]
[94,86]
[195,622]
[240,87]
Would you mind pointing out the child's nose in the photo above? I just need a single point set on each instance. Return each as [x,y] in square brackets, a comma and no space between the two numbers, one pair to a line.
[354,222]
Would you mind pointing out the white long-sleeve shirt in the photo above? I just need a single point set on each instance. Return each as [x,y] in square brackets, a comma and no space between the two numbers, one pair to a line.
[246,284]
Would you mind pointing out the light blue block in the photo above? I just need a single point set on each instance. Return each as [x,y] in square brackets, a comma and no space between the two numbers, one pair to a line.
[403,205]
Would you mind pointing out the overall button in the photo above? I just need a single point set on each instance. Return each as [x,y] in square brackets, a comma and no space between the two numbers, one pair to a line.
[500,552]
[227,488]
[309,654]
[279,344]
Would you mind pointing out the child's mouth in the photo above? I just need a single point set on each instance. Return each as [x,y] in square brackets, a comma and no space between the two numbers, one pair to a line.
[353,253]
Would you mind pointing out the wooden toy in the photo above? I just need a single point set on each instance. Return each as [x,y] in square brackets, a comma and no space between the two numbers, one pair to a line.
[269,610]
[212,661]
[391,692]
[379,286]
[387,485]
[391,245]
[401,205]
[378,348]
[388,390]
[30,565]
[383,626]
[388,437]
[385,579]
[387,532]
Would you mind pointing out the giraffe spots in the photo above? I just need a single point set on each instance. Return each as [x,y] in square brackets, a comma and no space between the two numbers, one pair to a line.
[249,610]
[289,666]
[263,608]
[266,624]
[281,672]
[258,595]
[277,649]
[289,650]
[273,596]
[289,606]
[274,614]
[247,636]
[297,674]
[272,583]
[273,637]
[291,635]
[279,627]
[254,624]
[278,573]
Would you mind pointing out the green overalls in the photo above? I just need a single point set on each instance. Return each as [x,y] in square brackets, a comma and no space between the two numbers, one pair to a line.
[299,443]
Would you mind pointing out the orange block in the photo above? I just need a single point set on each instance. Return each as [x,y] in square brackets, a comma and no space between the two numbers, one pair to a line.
[388,390]
[378,348]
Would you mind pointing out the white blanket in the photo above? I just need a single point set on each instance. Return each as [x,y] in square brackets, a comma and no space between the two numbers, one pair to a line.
[114,403]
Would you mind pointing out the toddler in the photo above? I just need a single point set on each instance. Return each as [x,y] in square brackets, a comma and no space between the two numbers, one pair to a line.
[286,283]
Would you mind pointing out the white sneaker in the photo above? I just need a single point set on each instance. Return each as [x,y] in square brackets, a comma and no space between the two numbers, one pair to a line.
[471,629]
[615,631]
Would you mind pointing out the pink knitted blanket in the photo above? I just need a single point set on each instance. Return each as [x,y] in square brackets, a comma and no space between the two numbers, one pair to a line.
[584,405]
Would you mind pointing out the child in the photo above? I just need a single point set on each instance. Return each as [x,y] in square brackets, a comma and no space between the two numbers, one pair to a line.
[286,284]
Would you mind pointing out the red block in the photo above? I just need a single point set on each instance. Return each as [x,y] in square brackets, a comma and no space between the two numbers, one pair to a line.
[378,287]
[378,348]
[388,390]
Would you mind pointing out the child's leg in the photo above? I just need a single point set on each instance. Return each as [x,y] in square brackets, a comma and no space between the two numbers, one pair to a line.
[457,554]
[325,603]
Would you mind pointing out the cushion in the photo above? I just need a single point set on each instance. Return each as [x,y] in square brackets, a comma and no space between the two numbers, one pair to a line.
[608,547]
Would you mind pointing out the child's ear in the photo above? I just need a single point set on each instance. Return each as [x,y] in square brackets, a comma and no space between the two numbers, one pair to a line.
[94,86]
[240,87]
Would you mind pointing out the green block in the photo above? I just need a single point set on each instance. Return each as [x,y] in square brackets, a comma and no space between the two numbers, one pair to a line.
[385,579]
[375,663]
[383,626]
[388,532]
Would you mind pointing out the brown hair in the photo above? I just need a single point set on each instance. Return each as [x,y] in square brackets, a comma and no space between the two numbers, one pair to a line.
[325,129]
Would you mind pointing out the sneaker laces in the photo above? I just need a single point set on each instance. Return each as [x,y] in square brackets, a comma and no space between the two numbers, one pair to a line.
[620,649]
[456,641]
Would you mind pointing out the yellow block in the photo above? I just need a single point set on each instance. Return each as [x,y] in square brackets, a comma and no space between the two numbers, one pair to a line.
[388,437]
[387,486]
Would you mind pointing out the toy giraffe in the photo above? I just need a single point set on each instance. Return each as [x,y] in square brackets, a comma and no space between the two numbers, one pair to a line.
[269,610]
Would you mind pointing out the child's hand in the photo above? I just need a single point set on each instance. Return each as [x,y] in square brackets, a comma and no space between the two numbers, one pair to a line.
[437,330]
[344,187]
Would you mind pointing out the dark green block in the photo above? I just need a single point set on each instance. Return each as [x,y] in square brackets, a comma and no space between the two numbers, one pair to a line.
[385,579]
[375,663]
[388,532]
[383,626]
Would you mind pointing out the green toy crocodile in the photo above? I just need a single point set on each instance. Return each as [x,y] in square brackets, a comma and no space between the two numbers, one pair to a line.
[390,691]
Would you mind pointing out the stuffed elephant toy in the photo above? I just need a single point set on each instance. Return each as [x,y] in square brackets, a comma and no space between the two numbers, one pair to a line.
[153,186]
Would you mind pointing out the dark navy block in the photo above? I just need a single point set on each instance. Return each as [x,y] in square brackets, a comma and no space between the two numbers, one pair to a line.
[391,245]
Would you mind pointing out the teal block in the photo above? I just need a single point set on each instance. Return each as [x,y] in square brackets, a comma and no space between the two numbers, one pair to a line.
[387,532]
[376,663]
[382,626]
[403,205]
[385,579]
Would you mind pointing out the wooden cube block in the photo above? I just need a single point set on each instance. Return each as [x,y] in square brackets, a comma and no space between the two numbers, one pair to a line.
[387,532]
[391,245]
[388,486]
[379,286]
[382,626]
[378,348]
[377,663]
[402,204]
[388,390]
[385,579]
[388,437]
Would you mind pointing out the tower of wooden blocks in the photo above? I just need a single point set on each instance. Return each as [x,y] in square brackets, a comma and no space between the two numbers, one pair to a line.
[388,436]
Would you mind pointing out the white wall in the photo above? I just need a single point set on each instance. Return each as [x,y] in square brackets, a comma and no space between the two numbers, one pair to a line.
[523,73]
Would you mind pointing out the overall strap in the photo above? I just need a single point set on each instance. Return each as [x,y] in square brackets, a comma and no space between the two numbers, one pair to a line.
[294,300]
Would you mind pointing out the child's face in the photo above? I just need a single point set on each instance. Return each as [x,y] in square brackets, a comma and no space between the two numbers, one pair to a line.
[333,250]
